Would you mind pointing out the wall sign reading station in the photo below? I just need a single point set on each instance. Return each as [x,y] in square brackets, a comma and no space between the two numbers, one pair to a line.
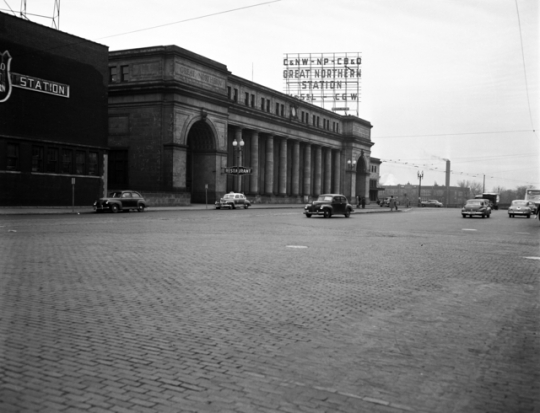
[9,80]
[323,77]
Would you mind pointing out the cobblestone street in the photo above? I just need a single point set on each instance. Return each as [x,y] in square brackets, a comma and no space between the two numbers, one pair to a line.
[267,311]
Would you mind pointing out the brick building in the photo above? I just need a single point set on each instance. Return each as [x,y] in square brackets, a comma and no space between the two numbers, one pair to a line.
[53,115]
[174,119]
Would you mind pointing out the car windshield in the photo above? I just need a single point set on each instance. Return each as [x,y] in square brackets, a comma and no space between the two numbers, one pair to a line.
[324,198]
[519,203]
[228,196]
[115,195]
[474,201]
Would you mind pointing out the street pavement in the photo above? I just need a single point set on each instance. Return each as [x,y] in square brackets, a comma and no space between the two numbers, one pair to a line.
[264,310]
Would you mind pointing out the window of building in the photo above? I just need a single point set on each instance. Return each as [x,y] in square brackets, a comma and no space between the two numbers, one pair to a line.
[277,108]
[252,100]
[246,99]
[262,103]
[282,110]
[113,74]
[118,169]
[52,160]
[314,120]
[124,73]
[13,160]
[37,158]
[337,127]
[318,121]
[93,163]
[80,163]
[268,105]
[67,161]
[228,92]
[235,98]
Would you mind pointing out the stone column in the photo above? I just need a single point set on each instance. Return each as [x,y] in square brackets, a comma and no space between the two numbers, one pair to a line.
[254,181]
[269,169]
[238,156]
[328,170]
[307,170]
[283,168]
[337,172]
[296,168]
[318,170]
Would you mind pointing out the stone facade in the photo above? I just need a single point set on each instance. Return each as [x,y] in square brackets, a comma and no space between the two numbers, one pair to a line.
[174,116]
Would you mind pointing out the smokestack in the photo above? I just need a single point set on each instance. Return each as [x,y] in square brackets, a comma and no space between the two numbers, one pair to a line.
[447,181]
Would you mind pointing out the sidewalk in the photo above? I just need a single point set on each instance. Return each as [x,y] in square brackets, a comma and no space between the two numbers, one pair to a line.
[23,210]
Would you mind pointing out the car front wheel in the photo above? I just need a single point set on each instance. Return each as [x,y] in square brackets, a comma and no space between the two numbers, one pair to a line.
[245,206]
[327,213]
[347,214]
[114,208]
[140,208]
[308,215]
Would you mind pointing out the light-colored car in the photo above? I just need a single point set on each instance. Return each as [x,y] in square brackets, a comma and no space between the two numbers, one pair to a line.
[521,207]
[476,207]
[232,200]
[121,201]
[431,203]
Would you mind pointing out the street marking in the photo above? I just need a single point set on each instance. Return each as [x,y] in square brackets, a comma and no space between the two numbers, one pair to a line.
[532,258]
[296,246]
[469,229]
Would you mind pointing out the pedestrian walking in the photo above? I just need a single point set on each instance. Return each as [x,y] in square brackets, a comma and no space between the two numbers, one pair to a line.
[391,203]
[357,201]
[363,202]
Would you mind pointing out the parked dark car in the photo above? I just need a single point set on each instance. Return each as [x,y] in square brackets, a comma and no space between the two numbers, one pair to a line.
[480,207]
[121,201]
[431,203]
[328,205]
[521,207]
[233,200]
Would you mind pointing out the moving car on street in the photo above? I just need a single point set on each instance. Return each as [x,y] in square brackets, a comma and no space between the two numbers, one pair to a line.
[121,201]
[431,203]
[328,205]
[521,207]
[233,200]
[479,207]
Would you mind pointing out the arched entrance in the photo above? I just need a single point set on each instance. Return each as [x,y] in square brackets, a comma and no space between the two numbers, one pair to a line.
[200,162]
[361,177]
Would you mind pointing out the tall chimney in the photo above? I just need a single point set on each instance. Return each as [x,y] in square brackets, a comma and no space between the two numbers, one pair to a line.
[447,181]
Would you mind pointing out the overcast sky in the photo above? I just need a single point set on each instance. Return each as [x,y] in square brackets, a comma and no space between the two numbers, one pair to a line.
[441,79]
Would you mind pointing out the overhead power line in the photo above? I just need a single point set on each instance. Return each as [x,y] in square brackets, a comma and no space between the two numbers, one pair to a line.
[454,134]
[187,20]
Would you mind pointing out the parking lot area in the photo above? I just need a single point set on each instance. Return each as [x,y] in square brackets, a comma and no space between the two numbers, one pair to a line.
[268,311]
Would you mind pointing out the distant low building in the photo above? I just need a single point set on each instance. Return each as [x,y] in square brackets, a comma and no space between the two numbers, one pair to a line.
[375,190]
[456,195]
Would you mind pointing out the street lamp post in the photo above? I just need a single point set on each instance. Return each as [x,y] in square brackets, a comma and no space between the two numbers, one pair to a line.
[420,176]
[238,148]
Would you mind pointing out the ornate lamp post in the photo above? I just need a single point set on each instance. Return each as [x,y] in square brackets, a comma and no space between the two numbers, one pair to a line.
[238,148]
[420,176]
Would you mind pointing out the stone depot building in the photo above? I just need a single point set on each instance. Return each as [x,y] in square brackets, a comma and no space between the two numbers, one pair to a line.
[177,119]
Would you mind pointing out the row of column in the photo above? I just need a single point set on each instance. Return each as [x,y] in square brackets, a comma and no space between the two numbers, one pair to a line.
[331,180]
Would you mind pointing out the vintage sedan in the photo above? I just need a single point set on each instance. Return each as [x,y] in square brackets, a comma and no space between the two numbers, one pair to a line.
[328,205]
[431,203]
[521,207]
[233,200]
[121,201]
[479,207]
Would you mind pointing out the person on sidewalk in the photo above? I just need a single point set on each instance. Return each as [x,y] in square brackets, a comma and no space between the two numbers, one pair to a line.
[363,203]
[357,201]
[391,203]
